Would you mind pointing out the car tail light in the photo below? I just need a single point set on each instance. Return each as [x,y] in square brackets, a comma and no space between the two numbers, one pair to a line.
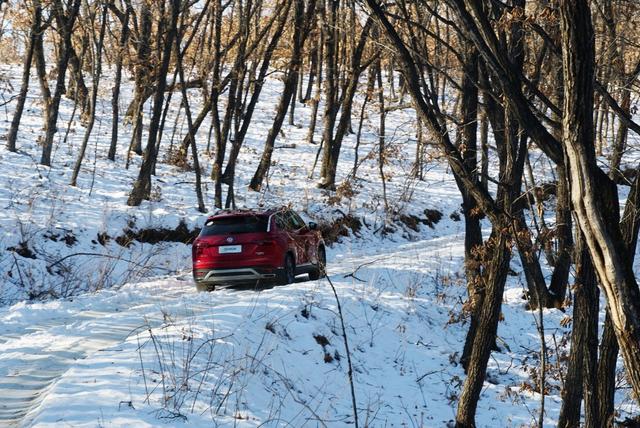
[198,248]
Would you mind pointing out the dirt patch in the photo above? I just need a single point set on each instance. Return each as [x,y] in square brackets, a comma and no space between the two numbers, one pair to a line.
[67,237]
[411,221]
[181,233]
[431,217]
[343,226]
[22,249]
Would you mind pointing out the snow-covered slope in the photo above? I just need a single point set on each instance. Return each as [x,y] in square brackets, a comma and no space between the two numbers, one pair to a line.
[95,333]
[158,353]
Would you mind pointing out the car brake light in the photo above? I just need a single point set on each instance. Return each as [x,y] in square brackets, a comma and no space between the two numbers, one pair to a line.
[199,247]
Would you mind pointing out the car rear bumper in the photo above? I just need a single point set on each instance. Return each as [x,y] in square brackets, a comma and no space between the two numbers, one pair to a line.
[233,276]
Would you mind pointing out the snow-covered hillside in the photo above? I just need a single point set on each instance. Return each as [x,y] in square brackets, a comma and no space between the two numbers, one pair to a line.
[96,331]
[156,353]
[61,240]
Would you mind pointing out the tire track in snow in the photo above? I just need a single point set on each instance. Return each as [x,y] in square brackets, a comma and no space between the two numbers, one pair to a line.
[38,351]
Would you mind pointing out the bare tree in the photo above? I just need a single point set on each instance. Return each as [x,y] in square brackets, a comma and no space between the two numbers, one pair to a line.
[65,20]
[142,186]
[97,73]
[34,31]
[302,23]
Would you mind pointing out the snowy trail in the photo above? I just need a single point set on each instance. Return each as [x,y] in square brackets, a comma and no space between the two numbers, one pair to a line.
[40,342]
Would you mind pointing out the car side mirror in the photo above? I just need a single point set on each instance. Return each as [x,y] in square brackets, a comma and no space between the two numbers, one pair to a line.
[313,225]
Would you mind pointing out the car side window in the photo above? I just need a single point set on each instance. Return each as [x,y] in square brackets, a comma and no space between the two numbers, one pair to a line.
[299,222]
[281,222]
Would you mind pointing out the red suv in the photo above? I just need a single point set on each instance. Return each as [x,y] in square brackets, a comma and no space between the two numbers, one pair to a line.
[252,246]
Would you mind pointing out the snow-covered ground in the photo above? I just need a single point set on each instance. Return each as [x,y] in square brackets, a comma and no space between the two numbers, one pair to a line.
[93,333]
[158,353]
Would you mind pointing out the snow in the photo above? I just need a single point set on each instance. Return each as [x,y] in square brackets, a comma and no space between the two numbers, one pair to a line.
[118,336]
[250,356]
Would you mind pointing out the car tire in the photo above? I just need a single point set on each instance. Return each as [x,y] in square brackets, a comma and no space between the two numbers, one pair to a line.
[287,274]
[319,270]
[204,287]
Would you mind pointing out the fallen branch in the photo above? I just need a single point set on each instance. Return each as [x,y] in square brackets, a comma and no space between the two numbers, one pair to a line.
[353,274]
[108,256]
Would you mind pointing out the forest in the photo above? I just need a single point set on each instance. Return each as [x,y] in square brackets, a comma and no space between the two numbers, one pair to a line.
[495,89]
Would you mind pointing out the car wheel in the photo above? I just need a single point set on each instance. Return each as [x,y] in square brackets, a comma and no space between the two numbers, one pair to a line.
[320,269]
[204,287]
[288,273]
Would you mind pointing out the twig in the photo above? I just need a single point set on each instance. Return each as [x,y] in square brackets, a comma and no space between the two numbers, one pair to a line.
[4,103]
[353,274]
[107,256]
[144,376]
[346,345]
[428,374]
[15,260]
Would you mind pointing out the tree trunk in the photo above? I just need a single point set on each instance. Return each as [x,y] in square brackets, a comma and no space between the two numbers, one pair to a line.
[560,276]
[346,106]
[630,224]
[467,140]
[115,104]
[142,79]
[41,70]
[192,137]
[24,86]
[581,376]
[220,144]
[371,80]
[65,26]
[315,101]
[331,106]
[229,174]
[97,73]
[497,265]
[142,187]
[77,85]
[299,38]
[381,139]
[593,195]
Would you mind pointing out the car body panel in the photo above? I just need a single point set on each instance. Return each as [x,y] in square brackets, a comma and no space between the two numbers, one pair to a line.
[251,246]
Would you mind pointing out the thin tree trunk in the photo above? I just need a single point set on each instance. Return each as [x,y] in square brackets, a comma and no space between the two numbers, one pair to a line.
[26,73]
[495,277]
[630,224]
[229,174]
[41,70]
[65,24]
[77,85]
[581,376]
[346,107]
[315,101]
[371,81]
[299,38]
[215,93]
[560,276]
[142,187]
[115,104]
[381,138]
[467,139]
[192,137]
[97,73]
[142,77]
[331,107]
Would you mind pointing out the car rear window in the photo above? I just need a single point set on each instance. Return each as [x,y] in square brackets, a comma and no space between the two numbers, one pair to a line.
[232,225]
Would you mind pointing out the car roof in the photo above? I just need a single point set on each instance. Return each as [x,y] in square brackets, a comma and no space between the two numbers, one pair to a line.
[246,212]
